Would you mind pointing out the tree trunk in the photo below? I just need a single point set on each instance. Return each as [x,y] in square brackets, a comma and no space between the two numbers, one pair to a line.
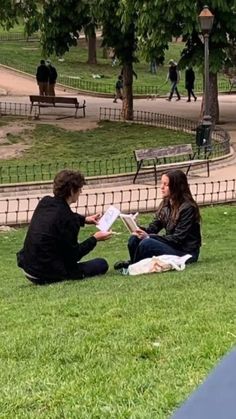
[213,99]
[128,91]
[92,50]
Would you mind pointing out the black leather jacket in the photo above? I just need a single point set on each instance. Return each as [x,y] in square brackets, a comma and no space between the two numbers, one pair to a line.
[184,234]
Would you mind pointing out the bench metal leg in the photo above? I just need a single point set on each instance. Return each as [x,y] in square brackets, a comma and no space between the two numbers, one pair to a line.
[138,168]
[155,173]
[208,168]
[76,111]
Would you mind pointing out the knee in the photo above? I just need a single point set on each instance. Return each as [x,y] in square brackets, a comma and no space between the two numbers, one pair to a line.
[133,241]
[103,266]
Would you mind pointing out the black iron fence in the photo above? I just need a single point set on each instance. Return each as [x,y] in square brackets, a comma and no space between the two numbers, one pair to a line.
[17,211]
[17,109]
[18,36]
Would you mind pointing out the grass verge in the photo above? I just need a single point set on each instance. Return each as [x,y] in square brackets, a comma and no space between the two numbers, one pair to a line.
[120,347]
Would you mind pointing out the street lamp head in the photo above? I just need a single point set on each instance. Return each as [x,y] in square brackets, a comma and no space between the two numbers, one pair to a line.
[206,19]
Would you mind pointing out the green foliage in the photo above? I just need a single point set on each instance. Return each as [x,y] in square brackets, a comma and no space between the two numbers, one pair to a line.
[181,19]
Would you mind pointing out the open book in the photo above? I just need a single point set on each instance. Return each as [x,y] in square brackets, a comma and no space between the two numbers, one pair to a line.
[110,216]
[129,221]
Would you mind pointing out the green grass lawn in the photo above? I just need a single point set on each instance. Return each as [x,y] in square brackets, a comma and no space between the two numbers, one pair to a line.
[116,347]
[109,141]
[26,56]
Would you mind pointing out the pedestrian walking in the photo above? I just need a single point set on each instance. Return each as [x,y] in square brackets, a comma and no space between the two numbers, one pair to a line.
[173,76]
[119,89]
[52,78]
[153,66]
[42,77]
[189,83]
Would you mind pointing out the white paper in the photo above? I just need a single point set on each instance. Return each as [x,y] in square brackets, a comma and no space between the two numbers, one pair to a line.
[106,221]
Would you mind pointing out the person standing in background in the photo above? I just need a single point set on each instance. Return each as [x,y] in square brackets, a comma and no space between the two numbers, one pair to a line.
[52,78]
[42,77]
[119,89]
[173,76]
[189,83]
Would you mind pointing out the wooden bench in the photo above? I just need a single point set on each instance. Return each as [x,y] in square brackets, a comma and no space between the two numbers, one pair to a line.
[57,101]
[158,157]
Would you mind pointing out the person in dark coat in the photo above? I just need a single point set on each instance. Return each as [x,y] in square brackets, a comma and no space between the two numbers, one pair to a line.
[173,76]
[51,251]
[179,215]
[52,78]
[42,77]
[189,83]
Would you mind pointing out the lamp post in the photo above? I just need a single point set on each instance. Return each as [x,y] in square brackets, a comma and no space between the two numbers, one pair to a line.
[206,19]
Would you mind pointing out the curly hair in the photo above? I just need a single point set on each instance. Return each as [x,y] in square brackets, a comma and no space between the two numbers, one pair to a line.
[67,181]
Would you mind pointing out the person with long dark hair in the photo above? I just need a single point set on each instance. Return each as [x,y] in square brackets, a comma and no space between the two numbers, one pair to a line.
[51,250]
[179,215]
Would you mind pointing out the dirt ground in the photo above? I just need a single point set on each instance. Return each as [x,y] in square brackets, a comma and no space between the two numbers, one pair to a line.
[7,132]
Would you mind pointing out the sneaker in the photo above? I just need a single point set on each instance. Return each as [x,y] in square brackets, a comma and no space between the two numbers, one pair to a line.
[178,98]
[121,264]
[114,101]
[195,98]
[189,100]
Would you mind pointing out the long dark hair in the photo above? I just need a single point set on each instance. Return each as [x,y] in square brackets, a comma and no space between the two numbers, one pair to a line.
[179,193]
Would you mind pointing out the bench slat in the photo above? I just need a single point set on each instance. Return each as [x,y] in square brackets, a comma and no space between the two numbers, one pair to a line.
[155,153]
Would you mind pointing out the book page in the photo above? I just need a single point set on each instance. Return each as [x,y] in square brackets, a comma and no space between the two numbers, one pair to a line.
[129,221]
[108,218]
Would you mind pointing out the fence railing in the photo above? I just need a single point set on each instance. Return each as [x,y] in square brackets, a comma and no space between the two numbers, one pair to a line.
[16,173]
[16,211]
[17,109]
[220,138]
[18,36]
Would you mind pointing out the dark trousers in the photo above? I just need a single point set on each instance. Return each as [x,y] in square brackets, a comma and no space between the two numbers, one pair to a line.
[146,248]
[174,89]
[81,270]
[43,88]
[191,93]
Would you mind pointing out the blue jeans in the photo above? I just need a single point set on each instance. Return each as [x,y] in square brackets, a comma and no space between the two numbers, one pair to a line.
[174,89]
[146,248]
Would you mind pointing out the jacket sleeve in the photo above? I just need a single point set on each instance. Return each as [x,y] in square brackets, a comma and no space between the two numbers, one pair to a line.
[74,250]
[154,227]
[184,224]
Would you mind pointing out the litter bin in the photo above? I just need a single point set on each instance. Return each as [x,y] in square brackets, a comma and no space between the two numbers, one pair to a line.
[203,135]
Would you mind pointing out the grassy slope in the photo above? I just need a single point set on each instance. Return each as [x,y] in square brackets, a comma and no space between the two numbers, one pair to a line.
[120,347]
[110,139]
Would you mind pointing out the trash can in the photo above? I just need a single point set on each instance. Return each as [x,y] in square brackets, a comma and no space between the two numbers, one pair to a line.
[203,135]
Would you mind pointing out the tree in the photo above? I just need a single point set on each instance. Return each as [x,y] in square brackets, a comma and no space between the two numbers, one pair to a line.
[159,20]
[118,19]
[8,13]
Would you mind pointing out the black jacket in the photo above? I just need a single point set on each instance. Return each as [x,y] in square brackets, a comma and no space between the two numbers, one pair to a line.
[51,249]
[189,78]
[173,73]
[42,74]
[184,234]
[52,74]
